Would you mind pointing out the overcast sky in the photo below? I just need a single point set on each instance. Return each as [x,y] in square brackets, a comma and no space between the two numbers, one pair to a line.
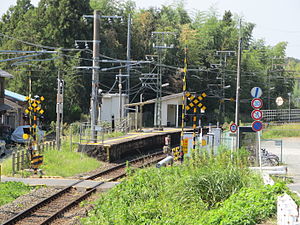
[276,20]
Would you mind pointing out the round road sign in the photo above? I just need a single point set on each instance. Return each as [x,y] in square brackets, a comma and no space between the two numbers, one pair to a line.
[279,101]
[256,114]
[233,127]
[256,103]
[256,92]
[257,126]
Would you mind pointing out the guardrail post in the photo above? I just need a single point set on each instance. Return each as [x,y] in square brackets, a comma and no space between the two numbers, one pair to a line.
[13,163]
[22,160]
[18,160]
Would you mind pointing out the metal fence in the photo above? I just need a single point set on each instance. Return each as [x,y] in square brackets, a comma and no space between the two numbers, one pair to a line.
[281,115]
[120,125]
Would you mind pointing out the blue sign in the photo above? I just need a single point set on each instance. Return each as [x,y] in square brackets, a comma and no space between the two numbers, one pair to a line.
[257,126]
[256,92]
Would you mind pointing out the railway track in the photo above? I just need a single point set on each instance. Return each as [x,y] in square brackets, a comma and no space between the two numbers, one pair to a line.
[53,207]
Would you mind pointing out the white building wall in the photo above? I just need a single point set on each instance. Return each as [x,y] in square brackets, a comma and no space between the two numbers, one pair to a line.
[165,103]
[111,106]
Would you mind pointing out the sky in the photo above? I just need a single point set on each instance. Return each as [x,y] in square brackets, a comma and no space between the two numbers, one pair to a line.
[276,20]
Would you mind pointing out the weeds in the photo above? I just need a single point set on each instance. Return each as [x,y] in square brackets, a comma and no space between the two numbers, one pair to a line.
[285,130]
[9,191]
[176,195]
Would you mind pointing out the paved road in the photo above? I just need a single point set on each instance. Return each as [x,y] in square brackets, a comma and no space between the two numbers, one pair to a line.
[290,156]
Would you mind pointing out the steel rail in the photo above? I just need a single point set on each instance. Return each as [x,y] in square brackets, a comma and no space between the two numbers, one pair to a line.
[44,202]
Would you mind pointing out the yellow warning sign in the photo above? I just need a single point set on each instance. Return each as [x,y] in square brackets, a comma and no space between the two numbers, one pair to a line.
[203,142]
[185,145]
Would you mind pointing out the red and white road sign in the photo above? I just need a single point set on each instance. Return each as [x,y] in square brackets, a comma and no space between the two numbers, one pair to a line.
[257,114]
[256,103]
[233,127]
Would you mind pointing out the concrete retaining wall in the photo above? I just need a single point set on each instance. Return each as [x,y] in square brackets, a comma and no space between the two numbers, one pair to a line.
[130,147]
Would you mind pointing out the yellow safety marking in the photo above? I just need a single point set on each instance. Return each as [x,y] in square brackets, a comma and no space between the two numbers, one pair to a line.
[204,95]
[200,98]
[196,101]
[191,105]
[200,104]
[191,98]
[188,94]
[187,107]
[203,108]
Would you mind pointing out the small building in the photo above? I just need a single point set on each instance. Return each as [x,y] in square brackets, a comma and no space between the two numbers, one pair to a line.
[171,108]
[112,105]
[14,116]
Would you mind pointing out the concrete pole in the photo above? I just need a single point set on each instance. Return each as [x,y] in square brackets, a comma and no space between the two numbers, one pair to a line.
[237,100]
[58,110]
[160,91]
[289,94]
[120,97]
[95,75]
[128,54]
[141,111]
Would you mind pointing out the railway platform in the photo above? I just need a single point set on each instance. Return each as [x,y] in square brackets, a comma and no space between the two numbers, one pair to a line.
[131,144]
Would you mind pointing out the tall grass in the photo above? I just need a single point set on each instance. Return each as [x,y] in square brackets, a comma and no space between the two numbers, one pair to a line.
[285,130]
[63,163]
[174,195]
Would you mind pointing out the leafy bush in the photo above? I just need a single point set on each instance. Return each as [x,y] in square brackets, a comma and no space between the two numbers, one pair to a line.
[9,191]
[173,195]
[248,206]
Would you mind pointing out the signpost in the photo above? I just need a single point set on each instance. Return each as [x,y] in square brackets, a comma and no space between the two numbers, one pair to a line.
[257,125]
[256,103]
[279,101]
[233,127]
[256,92]
[257,114]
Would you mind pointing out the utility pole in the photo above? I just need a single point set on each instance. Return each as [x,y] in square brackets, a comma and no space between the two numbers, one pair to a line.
[120,96]
[128,56]
[95,75]
[223,62]
[59,110]
[160,44]
[238,77]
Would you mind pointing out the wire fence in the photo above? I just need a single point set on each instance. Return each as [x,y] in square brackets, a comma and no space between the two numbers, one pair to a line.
[281,115]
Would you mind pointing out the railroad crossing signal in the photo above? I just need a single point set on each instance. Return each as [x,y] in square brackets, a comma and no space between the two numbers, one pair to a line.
[195,101]
[34,111]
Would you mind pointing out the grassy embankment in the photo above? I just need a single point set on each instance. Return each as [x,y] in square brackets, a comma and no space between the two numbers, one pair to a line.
[59,163]
[285,130]
[201,191]
[9,191]
[63,163]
